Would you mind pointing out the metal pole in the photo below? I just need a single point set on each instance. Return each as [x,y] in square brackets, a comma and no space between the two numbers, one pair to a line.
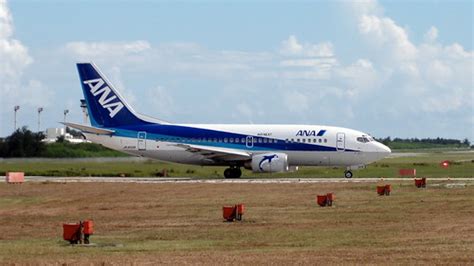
[40,109]
[65,113]
[15,109]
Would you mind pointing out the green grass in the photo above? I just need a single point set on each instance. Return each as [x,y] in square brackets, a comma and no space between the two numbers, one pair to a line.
[427,165]
[176,223]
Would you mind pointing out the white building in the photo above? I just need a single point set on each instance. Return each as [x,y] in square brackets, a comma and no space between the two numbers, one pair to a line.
[52,135]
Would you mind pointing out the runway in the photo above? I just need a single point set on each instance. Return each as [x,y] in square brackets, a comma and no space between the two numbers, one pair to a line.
[187,180]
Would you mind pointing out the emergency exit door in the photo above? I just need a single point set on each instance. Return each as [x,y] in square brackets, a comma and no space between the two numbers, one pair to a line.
[340,141]
[141,137]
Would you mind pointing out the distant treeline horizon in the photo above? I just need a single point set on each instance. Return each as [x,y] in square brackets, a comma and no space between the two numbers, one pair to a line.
[416,143]
[25,143]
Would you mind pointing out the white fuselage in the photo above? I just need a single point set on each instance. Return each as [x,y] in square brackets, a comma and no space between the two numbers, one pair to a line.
[336,146]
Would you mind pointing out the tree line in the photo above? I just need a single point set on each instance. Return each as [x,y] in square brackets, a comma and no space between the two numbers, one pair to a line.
[25,143]
[435,141]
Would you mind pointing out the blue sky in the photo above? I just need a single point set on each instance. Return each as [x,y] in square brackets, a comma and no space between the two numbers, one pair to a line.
[388,68]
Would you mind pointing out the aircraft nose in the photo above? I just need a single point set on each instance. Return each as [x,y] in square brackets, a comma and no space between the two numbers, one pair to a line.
[384,150]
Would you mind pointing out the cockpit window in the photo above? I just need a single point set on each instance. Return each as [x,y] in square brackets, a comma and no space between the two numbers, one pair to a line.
[364,139]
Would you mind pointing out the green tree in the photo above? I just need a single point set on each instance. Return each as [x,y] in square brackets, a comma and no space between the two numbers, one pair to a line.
[23,143]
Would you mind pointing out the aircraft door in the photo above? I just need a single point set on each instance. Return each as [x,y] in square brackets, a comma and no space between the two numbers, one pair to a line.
[249,141]
[141,138]
[340,141]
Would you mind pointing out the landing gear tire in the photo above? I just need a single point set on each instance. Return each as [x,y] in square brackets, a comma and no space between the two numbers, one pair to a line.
[347,174]
[232,173]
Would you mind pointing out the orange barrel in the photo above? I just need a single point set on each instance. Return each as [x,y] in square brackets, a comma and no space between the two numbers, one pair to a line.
[418,183]
[88,227]
[388,189]
[330,198]
[322,200]
[228,212]
[381,190]
[71,232]
[240,208]
[239,211]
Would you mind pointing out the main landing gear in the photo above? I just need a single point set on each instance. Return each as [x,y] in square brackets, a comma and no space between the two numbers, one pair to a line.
[232,172]
[347,174]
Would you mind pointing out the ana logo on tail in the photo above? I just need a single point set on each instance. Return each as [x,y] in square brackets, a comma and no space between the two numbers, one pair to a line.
[105,100]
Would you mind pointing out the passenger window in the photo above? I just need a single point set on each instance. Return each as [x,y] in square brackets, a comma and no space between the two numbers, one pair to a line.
[325,140]
[231,140]
[320,140]
[297,140]
[225,139]
[304,140]
[292,140]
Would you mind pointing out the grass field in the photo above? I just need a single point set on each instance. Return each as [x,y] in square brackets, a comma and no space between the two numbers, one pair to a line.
[182,224]
[427,164]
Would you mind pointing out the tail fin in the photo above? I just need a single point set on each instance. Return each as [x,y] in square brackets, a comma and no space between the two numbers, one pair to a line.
[107,108]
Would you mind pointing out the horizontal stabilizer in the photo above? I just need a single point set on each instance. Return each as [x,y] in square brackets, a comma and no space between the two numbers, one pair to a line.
[89,129]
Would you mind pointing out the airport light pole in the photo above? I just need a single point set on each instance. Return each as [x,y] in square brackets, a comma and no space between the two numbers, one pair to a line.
[15,109]
[65,114]
[40,109]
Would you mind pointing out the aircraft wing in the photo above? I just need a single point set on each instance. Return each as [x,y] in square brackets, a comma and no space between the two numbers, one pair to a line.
[216,153]
[89,129]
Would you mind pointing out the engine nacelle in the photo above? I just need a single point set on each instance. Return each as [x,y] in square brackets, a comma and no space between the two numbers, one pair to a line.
[270,162]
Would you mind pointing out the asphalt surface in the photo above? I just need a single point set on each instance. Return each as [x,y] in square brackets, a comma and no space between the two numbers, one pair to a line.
[222,181]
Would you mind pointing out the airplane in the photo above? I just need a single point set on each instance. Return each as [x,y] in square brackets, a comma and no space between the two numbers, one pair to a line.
[260,148]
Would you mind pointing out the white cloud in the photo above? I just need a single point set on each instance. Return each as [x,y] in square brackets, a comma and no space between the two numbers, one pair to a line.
[429,81]
[106,49]
[291,47]
[6,25]
[366,7]
[13,54]
[14,58]
[160,101]
[358,77]
[431,35]
[296,101]
[244,110]
[387,36]
[310,62]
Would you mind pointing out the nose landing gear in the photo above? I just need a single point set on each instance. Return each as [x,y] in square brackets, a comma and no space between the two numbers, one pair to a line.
[347,174]
[232,172]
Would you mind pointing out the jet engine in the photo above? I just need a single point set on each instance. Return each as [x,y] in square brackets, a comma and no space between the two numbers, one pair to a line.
[270,162]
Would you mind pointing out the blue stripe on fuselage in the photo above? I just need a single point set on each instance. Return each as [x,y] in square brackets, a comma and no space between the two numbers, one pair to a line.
[183,134]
